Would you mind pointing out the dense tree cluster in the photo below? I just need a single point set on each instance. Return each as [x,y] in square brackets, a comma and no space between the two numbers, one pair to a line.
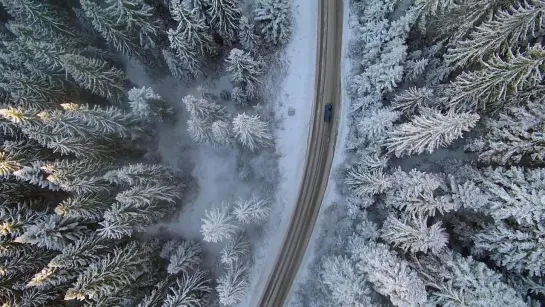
[78,187]
[431,74]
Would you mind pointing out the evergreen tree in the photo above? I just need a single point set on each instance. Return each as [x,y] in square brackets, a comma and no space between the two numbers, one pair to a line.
[190,290]
[253,210]
[192,35]
[414,234]
[251,132]
[504,32]
[429,131]
[225,16]
[392,276]
[245,71]
[513,136]
[365,181]
[500,77]
[221,133]
[274,19]
[95,76]
[185,258]
[53,232]
[88,207]
[110,274]
[218,224]
[233,284]
[246,34]
[413,100]
[235,250]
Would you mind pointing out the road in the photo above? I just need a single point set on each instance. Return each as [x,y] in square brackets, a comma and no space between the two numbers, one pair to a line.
[319,155]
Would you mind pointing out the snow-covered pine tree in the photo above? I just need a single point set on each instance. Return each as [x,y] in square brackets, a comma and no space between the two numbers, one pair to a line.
[366,181]
[454,280]
[138,174]
[235,250]
[429,131]
[32,90]
[111,274]
[251,131]
[224,18]
[513,136]
[509,27]
[391,276]
[156,297]
[348,286]
[413,234]
[413,100]
[89,207]
[500,77]
[53,232]
[190,290]
[221,133]
[274,20]
[245,71]
[96,76]
[183,67]
[246,34]
[218,224]
[233,284]
[185,258]
[192,34]
[204,109]
[253,210]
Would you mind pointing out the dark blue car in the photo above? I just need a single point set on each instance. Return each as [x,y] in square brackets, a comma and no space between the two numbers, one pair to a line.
[328,112]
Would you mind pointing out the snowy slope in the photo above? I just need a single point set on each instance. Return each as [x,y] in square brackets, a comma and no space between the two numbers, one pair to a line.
[331,197]
[296,92]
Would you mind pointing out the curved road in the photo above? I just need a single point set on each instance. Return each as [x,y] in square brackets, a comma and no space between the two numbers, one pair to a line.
[319,155]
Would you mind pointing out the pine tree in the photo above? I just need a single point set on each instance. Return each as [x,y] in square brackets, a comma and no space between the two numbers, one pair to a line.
[413,100]
[365,181]
[225,15]
[111,274]
[218,224]
[156,297]
[251,132]
[221,133]
[518,248]
[253,210]
[190,290]
[274,19]
[53,232]
[377,124]
[414,234]
[95,76]
[235,250]
[500,77]
[233,284]
[246,34]
[392,276]
[245,71]
[88,207]
[454,280]
[513,136]
[348,287]
[185,258]
[429,131]
[138,174]
[505,31]
[183,67]
[203,109]
[192,34]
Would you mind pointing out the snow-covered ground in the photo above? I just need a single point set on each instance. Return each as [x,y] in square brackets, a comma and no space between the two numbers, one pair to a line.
[295,92]
[332,196]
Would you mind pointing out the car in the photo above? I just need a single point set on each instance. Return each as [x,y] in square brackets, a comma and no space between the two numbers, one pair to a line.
[328,113]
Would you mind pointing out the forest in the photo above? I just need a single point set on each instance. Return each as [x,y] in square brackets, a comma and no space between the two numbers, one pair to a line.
[81,177]
[443,184]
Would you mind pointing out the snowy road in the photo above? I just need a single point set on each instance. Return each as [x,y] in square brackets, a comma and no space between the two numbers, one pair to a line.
[320,152]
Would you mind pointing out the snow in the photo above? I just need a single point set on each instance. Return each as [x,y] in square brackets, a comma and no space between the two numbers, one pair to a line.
[332,202]
[295,92]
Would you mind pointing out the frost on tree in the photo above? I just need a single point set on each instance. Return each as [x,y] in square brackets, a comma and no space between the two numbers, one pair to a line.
[253,210]
[88,207]
[233,283]
[203,115]
[413,234]
[189,290]
[364,181]
[392,276]
[274,20]
[96,76]
[235,250]
[413,100]
[513,136]
[246,34]
[454,280]
[111,274]
[245,71]
[185,258]
[429,131]
[218,224]
[225,15]
[145,103]
[192,36]
[221,133]
[348,286]
[251,131]
[53,232]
